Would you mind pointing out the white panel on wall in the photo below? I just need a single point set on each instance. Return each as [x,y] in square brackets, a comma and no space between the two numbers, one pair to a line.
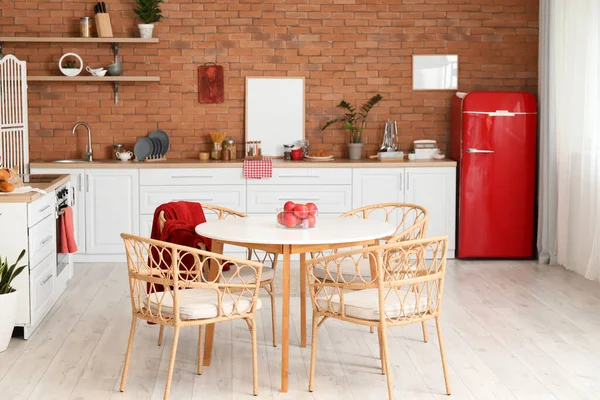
[274,112]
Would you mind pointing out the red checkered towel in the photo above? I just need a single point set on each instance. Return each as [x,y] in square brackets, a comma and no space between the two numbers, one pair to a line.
[258,169]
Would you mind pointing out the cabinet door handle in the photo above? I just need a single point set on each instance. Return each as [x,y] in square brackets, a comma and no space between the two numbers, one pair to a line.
[299,176]
[401,182]
[408,181]
[44,208]
[46,240]
[300,198]
[87,183]
[79,183]
[191,176]
[196,200]
[46,280]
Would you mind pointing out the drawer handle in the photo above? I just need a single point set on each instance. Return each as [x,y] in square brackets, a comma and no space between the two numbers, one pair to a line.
[46,280]
[191,176]
[196,200]
[46,240]
[44,208]
[300,198]
[299,176]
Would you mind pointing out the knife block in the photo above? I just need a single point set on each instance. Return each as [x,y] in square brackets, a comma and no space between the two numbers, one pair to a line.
[103,27]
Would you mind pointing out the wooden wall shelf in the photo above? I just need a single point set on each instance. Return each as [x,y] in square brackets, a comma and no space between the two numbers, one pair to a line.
[55,78]
[115,41]
[15,39]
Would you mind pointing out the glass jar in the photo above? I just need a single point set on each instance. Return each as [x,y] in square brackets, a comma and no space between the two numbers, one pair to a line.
[287,151]
[85,27]
[229,145]
[215,153]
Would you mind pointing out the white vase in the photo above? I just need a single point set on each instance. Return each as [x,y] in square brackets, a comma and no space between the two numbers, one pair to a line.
[8,316]
[146,30]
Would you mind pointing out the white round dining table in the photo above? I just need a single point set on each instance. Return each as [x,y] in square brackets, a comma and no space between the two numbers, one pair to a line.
[263,233]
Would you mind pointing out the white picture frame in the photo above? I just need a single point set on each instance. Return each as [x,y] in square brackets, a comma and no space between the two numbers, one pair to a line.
[435,72]
[275,112]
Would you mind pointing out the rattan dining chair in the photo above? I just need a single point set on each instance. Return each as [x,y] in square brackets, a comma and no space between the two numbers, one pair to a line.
[395,296]
[186,295]
[268,276]
[411,223]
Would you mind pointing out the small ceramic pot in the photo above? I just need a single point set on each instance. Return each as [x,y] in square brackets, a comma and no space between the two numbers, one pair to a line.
[355,151]
[115,69]
[146,30]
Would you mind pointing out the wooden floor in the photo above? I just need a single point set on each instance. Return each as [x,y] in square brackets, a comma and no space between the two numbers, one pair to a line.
[512,331]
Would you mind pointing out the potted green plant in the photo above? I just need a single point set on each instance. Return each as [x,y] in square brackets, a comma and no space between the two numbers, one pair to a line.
[149,12]
[355,120]
[8,299]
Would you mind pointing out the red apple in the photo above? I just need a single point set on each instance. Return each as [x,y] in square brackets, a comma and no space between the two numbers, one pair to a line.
[289,206]
[312,221]
[301,211]
[280,218]
[312,208]
[290,220]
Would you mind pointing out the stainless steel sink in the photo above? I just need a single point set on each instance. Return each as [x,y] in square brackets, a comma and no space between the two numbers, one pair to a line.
[70,161]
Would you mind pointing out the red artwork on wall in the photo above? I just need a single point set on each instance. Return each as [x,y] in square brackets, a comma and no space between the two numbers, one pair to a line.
[211,87]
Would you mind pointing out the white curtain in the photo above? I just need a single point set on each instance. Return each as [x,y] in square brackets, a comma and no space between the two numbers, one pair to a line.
[569,215]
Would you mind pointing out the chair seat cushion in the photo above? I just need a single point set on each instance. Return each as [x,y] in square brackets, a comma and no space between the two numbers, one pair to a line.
[348,271]
[201,304]
[246,275]
[364,304]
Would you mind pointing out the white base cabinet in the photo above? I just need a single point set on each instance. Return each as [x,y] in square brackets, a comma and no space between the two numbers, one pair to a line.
[434,188]
[111,207]
[32,226]
[113,200]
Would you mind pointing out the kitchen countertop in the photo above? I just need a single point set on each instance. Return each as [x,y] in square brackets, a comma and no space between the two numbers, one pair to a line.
[53,181]
[277,163]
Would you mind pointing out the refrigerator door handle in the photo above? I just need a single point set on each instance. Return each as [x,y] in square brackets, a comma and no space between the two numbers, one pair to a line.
[472,151]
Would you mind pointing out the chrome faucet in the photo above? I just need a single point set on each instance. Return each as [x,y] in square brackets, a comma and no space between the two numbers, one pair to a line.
[88,153]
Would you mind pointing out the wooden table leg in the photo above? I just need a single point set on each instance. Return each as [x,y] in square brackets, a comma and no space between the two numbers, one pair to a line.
[303,299]
[285,319]
[217,247]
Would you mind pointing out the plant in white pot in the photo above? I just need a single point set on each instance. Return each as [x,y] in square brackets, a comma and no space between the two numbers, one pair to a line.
[355,120]
[8,299]
[149,12]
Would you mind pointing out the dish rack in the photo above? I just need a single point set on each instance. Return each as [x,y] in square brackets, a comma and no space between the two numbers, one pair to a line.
[14,128]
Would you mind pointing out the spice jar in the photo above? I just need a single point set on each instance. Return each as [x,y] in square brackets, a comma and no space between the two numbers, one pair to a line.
[215,153]
[85,27]
[229,145]
[287,151]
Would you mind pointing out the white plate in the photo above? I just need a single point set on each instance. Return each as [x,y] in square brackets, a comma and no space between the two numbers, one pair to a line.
[319,158]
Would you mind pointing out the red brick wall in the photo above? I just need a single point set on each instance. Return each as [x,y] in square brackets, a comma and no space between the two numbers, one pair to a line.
[346,49]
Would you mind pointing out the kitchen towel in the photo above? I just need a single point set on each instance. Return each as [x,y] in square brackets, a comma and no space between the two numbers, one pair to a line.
[258,169]
[67,233]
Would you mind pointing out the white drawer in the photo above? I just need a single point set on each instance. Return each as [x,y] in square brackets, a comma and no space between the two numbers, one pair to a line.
[334,199]
[40,209]
[191,176]
[42,241]
[230,196]
[307,176]
[43,288]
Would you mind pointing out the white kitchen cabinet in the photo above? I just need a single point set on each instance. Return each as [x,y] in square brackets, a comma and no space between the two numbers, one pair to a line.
[229,196]
[112,207]
[306,176]
[77,178]
[377,185]
[266,199]
[435,189]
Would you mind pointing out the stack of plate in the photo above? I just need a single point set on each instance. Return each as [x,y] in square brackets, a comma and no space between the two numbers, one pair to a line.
[153,147]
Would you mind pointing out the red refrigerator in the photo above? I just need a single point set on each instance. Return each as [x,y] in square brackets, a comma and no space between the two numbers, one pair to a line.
[494,141]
